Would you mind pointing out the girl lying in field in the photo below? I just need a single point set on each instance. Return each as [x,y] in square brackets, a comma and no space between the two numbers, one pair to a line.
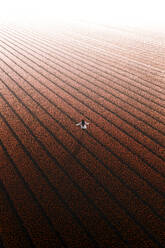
[83,124]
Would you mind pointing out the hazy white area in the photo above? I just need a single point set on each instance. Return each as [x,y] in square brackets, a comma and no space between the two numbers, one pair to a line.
[138,13]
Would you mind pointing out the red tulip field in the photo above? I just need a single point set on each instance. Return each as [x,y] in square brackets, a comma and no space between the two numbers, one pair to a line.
[61,186]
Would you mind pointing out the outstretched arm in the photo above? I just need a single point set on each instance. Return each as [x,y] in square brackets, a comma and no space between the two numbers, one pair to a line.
[78,124]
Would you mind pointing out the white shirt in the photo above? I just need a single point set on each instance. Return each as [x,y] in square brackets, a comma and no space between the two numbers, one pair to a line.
[82,126]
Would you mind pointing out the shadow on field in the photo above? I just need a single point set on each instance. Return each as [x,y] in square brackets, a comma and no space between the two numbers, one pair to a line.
[78,147]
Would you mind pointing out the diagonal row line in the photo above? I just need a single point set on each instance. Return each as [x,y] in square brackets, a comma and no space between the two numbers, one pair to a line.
[26,185]
[107,99]
[96,61]
[12,205]
[119,48]
[75,184]
[65,101]
[154,140]
[139,109]
[124,60]
[109,74]
[102,44]
[67,148]
[75,217]
[56,93]
[62,169]
[75,39]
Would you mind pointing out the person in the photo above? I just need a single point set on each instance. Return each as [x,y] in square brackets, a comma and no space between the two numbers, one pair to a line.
[83,124]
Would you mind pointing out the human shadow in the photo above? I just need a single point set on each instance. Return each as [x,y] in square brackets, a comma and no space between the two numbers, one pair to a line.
[78,146]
